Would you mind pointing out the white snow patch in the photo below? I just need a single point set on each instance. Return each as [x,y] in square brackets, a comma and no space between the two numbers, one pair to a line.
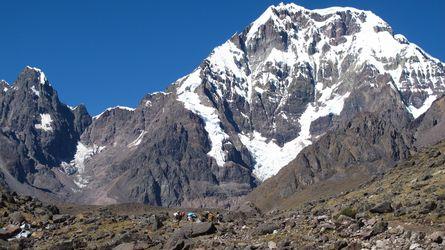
[109,109]
[83,152]
[72,108]
[416,112]
[191,101]
[269,157]
[223,60]
[138,140]
[160,93]
[45,122]
[228,61]
[35,91]
[401,38]
[5,89]
[259,90]
[284,115]
[288,57]
[244,115]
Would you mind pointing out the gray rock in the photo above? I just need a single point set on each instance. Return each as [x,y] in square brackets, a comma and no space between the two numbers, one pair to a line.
[125,246]
[9,231]
[379,228]
[197,229]
[437,237]
[272,245]
[155,222]
[16,218]
[249,209]
[59,218]
[384,207]
[340,244]
[266,228]
[178,239]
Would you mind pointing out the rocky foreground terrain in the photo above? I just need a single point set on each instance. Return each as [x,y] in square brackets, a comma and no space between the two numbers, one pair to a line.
[402,209]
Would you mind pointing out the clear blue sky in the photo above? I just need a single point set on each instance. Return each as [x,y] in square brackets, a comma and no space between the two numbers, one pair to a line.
[107,53]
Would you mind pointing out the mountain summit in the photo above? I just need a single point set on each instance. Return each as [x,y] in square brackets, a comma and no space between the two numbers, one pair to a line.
[293,78]
[293,67]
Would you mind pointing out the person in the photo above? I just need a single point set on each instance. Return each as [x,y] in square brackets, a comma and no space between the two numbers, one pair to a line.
[191,216]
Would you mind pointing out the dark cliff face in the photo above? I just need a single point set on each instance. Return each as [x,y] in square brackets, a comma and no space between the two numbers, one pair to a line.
[311,92]
[38,132]
[49,128]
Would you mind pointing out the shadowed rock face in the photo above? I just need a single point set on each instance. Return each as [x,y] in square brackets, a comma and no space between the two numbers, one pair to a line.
[158,156]
[292,79]
[38,132]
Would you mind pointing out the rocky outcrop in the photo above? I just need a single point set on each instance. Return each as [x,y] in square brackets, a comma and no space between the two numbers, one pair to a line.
[37,132]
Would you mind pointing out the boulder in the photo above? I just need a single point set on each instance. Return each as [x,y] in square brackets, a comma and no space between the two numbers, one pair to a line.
[125,246]
[59,218]
[437,237]
[266,228]
[231,216]
[384,207]
[16,218]
[198,229]
[249,209]
[340,244]
[272,245]
[155,222]
[9,232]
[179,238]
[379,227]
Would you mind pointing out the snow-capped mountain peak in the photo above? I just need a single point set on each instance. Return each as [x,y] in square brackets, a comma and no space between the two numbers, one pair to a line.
[40,73]
[286,46]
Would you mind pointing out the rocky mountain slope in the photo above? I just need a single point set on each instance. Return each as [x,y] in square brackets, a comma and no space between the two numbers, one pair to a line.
[293,78]
[401,209]
[366,145]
